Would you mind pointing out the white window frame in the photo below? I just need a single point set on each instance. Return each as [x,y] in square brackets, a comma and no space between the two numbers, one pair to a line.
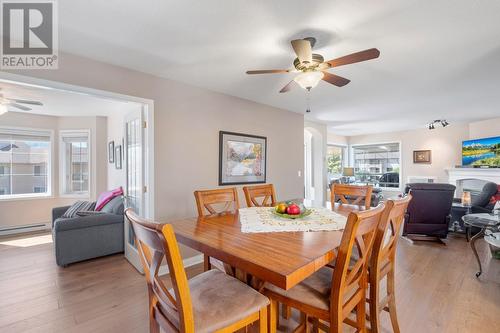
[62,162]
[35,132]
[345,154]
[385,189]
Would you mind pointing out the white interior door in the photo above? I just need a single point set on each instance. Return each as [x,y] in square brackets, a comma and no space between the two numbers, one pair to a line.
[135,189]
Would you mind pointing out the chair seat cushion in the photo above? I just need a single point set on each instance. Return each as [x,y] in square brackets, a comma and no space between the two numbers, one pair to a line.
[313,291]
[220,300]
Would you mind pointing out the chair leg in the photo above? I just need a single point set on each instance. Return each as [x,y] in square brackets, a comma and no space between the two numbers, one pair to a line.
[374,305]
[263,320]
[361,315]
[272,316]
[206,263]
[391,291]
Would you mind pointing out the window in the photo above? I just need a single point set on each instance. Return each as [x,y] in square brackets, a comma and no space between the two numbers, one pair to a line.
[39,189]
[377,164]
[335,161]
[37,170]
[75,155]
[24,162]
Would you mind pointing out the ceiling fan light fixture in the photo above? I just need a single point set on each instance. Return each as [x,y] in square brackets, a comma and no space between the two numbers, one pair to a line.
[3,109]
[309,80]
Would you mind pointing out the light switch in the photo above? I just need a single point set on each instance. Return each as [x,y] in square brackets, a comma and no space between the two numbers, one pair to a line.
[299,173]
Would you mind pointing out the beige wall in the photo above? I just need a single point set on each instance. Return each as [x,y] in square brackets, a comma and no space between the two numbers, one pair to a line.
[187,124]
[115,129]
[484,129]
[337,139]
[14,212]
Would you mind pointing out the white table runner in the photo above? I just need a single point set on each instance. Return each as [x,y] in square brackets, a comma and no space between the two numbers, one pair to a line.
[262,219]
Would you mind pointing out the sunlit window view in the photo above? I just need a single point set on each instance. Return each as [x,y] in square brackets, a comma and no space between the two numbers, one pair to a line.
[334,160]
[24,164]
[76,163]
[377,165]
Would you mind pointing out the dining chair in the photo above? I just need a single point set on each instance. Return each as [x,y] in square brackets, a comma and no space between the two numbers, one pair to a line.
[264,193]
[210,302]
[352,194]
[383,261]
[208,203]
[330,295]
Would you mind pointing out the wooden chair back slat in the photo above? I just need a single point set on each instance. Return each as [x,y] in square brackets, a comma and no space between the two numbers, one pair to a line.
[264,193]
[350,276]
[157,242]
[356,193]
[388,231]
[206,201]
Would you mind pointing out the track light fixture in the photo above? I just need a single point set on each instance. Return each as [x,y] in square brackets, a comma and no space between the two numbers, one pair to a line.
[442,122]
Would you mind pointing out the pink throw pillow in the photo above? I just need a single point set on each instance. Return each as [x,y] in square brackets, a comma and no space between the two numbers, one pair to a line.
[106,197]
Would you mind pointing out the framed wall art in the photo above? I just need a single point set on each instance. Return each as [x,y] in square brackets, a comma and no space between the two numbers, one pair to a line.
[422,156]
[242,158]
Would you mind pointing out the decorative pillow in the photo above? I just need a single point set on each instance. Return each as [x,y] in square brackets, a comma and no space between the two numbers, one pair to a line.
[106,197]
[496,197]
[78,207]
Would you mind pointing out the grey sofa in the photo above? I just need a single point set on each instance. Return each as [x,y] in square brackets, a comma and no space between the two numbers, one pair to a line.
[82,238]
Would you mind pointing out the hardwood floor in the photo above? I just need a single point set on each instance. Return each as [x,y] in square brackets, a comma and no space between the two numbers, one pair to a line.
[437,290]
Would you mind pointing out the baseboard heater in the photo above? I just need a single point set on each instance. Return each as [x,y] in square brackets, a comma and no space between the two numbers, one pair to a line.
[24,228]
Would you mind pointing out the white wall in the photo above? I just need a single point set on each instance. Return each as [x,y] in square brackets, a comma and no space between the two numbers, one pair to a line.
[187,125]
[15,212]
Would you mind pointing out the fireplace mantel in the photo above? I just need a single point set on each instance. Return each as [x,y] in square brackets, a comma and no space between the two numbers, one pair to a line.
[456,175]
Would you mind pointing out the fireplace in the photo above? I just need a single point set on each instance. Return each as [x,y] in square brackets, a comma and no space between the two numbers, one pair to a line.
[471,179]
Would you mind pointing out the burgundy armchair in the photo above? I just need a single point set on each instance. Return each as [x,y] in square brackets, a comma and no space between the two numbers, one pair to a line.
[429,211]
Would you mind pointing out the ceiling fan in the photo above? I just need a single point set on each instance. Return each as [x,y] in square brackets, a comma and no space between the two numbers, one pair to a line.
[6,102]
[313,68]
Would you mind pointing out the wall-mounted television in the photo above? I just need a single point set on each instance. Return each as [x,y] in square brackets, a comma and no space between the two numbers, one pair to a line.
[481,152]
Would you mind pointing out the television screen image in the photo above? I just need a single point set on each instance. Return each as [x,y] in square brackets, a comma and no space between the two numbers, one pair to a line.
[481,152]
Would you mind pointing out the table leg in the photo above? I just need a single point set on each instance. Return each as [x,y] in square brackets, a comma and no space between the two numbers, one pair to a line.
[473,246]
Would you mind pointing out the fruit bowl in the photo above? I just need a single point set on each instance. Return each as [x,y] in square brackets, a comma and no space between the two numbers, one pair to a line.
[305,213]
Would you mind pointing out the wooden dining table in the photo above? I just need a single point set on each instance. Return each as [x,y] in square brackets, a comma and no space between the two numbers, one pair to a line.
[281,258]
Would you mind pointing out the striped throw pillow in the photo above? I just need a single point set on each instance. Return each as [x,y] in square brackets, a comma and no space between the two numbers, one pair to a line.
[78,207]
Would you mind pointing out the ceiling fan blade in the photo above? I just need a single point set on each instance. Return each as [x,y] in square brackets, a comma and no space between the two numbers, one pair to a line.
[355,57]
[19,106]
[288,87]
[336,80]
[302,48]
[269,71]
[24,101]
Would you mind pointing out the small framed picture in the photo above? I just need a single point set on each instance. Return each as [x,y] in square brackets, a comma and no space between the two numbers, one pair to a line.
[422,156]
[111,152]
[118,157]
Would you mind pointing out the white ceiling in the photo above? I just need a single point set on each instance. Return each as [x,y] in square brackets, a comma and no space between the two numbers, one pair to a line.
[63,103]
[439,59]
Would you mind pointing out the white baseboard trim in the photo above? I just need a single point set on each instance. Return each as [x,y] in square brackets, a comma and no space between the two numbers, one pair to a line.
[13,230]
[198,259]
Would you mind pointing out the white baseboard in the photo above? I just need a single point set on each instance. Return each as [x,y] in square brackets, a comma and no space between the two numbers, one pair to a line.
[198,259]
[13,230]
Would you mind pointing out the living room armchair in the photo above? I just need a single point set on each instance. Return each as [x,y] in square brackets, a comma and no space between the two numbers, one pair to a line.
[428,213]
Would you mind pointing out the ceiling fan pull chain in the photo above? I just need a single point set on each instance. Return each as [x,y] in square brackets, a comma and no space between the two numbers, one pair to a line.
[308,101]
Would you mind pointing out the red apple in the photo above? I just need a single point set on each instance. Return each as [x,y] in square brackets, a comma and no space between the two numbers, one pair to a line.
[293,209]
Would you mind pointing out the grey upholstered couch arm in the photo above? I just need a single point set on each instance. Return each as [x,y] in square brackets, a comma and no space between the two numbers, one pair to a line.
[57,213]
[87,222]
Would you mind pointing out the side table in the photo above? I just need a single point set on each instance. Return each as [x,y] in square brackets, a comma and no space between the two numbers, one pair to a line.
[484,222]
